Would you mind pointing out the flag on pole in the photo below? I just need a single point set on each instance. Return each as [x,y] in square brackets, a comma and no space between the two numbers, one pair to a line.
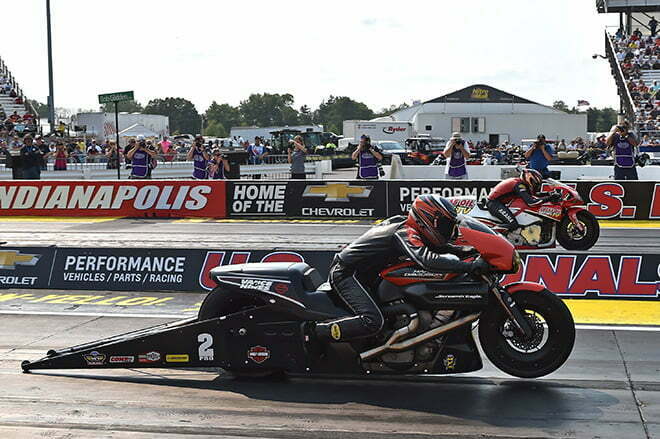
[582,103]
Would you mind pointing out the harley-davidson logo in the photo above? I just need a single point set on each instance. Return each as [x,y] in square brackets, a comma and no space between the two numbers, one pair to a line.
[258,354]
[149,357]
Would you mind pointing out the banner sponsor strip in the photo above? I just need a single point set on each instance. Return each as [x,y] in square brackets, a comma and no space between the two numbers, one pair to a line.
[602,276]
[133,198]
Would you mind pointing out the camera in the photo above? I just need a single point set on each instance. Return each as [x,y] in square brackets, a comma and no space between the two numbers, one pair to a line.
[142,144]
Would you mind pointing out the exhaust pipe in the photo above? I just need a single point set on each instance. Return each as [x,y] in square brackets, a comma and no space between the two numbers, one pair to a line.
[401,332]
[391,344]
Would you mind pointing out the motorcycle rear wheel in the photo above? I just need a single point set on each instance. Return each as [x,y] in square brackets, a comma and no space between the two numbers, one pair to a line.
[569,238]
[218,304]
[545,351]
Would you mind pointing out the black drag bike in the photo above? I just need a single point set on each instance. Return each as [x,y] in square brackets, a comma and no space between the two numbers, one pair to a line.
[258,322]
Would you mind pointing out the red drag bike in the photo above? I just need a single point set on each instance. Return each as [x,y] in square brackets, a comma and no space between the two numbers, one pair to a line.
[567,221]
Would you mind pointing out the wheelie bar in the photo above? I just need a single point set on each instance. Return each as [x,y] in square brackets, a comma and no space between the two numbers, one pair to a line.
[234,341]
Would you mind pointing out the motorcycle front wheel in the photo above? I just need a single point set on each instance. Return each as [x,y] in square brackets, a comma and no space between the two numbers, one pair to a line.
[545,351]
[571,238]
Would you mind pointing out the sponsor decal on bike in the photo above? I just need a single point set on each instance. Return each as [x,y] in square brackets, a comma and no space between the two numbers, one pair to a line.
[149,357]
[94,358]
[256,284]
[422,274]
[550,211]
[450,362]
[121,359]
[281,288]
[177,358]
[335,331]
[205,351]
[258,354]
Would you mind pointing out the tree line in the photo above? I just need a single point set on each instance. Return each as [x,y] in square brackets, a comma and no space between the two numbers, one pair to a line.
[259,109]
[598,119]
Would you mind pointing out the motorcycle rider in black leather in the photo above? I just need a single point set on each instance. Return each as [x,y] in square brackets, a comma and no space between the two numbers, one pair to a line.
[424,236]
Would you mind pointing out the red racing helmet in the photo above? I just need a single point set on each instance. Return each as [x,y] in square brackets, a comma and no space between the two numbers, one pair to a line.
[434,217]
[532,179]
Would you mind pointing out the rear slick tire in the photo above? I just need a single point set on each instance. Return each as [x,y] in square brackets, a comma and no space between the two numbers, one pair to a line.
[508,353]
[218,304]
[588,240]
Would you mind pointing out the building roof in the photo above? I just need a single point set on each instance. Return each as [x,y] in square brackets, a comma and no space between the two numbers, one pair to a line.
[480,93]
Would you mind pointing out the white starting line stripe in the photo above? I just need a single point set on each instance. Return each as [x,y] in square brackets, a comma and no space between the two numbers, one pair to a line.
[185,316]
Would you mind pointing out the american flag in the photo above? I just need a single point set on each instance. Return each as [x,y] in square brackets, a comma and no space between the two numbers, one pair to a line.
[582,103]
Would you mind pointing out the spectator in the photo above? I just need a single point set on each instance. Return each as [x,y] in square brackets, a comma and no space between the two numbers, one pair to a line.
[61,156]
[129,146]
[367,157]
[200,159]
[45,152]
[622,144]
[112,154]
[139,156]
[653,25]
[296,154]
[218,166]
[456,153]
[31,159]
[93,152]
[256,152]
[539,155]
[166,149]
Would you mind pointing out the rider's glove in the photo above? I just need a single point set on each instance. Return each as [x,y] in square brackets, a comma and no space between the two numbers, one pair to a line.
[479,267]
[555,197]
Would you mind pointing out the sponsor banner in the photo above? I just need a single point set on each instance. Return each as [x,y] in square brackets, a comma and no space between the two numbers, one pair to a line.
[309,199]
[583,275]
[134,198]
[25,267]
[634,200]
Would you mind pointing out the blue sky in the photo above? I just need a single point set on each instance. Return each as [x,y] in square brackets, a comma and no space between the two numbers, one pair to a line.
[379,52]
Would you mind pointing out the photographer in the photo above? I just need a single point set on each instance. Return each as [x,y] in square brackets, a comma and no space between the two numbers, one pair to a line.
[296,155]
[456,152]
[218,166]
[200,159]
[539,155]
[368,157]
[112,154]
[622,145]
[140,157]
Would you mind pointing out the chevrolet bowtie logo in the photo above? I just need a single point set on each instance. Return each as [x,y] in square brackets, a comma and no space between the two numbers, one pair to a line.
[337,191]
[9,259]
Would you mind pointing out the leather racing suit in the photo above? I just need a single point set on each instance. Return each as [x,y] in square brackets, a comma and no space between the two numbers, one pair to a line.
[507,190]
[378,247]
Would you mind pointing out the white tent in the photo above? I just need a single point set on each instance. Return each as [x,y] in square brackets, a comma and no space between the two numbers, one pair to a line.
[137,130]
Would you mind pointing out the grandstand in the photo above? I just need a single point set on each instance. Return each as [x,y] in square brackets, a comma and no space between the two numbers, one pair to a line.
[12,98]
[634,56]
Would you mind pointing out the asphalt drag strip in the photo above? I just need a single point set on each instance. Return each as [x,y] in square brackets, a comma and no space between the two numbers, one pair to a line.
[609,388]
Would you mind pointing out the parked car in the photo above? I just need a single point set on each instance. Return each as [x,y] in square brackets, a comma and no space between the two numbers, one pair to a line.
[388,148]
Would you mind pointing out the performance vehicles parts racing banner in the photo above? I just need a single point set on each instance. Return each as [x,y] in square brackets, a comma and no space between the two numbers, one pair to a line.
[619,276]
[132,198]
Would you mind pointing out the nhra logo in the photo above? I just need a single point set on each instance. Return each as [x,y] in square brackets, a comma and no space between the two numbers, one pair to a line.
[341,192]
[256,284]
[9,259]
[392,130]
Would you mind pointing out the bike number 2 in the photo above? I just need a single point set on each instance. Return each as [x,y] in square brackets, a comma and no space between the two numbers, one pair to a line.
[206,347]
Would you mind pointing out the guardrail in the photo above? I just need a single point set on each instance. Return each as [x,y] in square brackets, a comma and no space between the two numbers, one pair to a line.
[172,170]
[624,93]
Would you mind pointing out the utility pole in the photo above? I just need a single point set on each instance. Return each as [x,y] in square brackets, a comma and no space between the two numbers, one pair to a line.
[51,99]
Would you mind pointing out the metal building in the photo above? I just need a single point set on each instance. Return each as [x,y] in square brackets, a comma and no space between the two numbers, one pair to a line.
[481,112]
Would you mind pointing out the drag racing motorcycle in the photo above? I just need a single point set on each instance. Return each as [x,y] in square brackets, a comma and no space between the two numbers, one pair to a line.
[259,319]
[566,221]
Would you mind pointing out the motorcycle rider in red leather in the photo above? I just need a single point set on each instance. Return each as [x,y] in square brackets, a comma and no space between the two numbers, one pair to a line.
[527,187]
[424,236]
